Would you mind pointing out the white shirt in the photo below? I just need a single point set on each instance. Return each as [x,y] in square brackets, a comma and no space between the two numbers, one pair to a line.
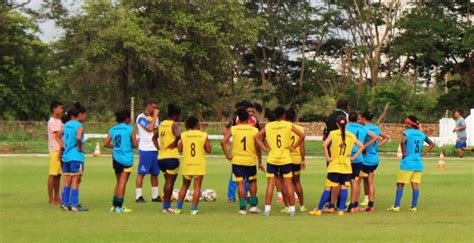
[145,142]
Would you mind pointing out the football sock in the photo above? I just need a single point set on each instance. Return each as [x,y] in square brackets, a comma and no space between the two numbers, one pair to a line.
[279,194]
[355,204]
[194,207]
[414,200]
[331,205]
[324,198]
[74,197]
[179,205]
[119,202]
[166,205]
[398,197]
[292,209]
[268,208]
[138,193]
[242,204]
[154,192]
[253,201]
[114,202]
[371,204]
[343,199]
[65,197]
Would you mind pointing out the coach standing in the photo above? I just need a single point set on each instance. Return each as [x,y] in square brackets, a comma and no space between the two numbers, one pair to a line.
[342,108]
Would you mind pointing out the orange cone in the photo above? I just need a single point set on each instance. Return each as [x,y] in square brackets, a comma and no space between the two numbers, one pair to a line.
[441,164]
[97,150]
[399,152]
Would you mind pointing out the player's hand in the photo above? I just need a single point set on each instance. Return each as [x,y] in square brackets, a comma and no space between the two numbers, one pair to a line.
[229,158]
[353,158]
[266,149]
[303,165]
[454,130]
[261,167]
[329,160]
[156,112]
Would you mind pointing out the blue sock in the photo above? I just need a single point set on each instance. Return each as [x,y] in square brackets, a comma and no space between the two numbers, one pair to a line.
[179,205]
[343,199]
[324,198]
[194,207]
[74,197]
[414,200]
[65,195]
[166,205]
[398,197]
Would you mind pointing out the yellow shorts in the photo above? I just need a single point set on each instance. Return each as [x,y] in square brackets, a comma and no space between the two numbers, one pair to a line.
[190,177]
[55,163]
[407,176]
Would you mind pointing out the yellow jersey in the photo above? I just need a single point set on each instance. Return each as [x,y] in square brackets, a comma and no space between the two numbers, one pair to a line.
[278,135]
[296,154]
[166,138]
[194,159]
[340,152]
[243,145]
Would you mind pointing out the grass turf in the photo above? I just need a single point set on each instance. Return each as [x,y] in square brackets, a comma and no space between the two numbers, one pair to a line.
[444,211]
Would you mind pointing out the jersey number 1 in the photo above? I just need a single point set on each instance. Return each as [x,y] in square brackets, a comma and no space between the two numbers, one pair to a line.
[244,142]
[118,141]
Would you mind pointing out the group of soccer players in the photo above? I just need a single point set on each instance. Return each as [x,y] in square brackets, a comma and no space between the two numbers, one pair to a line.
[351,153]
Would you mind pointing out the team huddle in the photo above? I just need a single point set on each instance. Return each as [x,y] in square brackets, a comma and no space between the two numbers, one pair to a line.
[350,147]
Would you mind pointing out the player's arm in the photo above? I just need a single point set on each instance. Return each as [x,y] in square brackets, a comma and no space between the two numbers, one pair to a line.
[180,146]
[403,144]
[431,145]
[361,147]
[326,143]
[150,127]
[207,146]
[258,151]
[385,137]
[300,137]
[372,140]
[107,142]
[224,143]
[57,136]
[134,140]
[460,128]
[79,134]
[154,139]
[177,134]
[303,154]
[259,140]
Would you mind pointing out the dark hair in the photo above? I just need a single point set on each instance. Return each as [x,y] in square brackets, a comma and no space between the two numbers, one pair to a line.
[342,104]
[149,102]
[74,111]
[290,114]
[242,114]
[173,110]
[459,111]
[191,122]
[55,104]
[279,112]
[368,115]
[244,103]
[341,121]
[353,116]
[121,116]
[413,121]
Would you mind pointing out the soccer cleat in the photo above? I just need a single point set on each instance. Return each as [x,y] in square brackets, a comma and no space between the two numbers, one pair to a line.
[79,208]
[177,211]
[254,210]
[65,208]
[364,203]
[330,210]
[315,212]
[122,210]
[168,210]
[280,200]
[194,212]
[340,213]
[157,199]
[413,210]
[303,209]
[242,212]
[140,200]
[355,210]
[112,209]
[370,209]
[266,213]
[285,210]
[393,209]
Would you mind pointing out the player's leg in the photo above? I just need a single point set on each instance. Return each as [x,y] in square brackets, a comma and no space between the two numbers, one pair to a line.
[56,189]
[197,194]
[182,193]
[371,180]
[298,188]
[138,188]
[66,192]
[365,180]
[334,197]
[253,195]
[50,188]
[325,196]
[241,192]
[355,194]
[232,187]
[170,167]
[403,178]
[154,172]
[415,185]
[287,174]
[269,194]
[54,177]
[121,187]
[280,198]
[279,180]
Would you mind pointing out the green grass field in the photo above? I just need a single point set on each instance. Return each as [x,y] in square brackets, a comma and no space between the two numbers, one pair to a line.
[445,209]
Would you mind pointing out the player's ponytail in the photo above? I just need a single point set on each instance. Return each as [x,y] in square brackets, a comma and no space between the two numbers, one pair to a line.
[341,123]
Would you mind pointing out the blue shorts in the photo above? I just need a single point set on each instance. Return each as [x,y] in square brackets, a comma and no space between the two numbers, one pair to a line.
[148,163]
[296,169]
[242,172]
[369,168]
[460,144]
[356,167]
[339,178]
[169,165]
[279,170]
[73,168]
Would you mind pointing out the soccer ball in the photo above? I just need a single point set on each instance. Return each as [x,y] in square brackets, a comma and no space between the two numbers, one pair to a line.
[189,196]
[209,195]
[175,195]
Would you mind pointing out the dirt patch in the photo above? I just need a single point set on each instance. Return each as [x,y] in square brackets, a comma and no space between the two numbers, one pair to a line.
[7,149]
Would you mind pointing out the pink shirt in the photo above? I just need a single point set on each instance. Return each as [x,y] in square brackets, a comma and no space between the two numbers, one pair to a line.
[54,125]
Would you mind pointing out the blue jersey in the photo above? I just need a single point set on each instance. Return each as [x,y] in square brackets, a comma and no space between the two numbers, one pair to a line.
[121,135]
[71,153]
[413,146]
[360,132]
[371,155]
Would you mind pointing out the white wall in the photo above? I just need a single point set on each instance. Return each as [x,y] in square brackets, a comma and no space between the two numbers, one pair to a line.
[446,126]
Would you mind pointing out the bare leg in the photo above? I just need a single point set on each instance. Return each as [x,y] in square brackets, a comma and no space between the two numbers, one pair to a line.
[269,193]
[184,189]
[279,180]
[50,189]
[56,190]
[197,190]
[298,188]
[290,191]
[168,189]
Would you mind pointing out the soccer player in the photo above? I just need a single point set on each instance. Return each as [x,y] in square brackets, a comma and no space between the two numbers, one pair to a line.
[371,157]
[193,144]
[55,145]
[278,145]
[147,124]
[168,159]
[245,154]
[73,158]
[461,133]
[411,165]
[122,139]
[339,168]
[361,132]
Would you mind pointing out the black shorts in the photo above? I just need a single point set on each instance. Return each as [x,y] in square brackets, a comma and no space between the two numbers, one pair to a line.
[279,170]
[296,169]
[369,168]
[169,165]
[338,178]
[119,168]
[356,167]
[241,172]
